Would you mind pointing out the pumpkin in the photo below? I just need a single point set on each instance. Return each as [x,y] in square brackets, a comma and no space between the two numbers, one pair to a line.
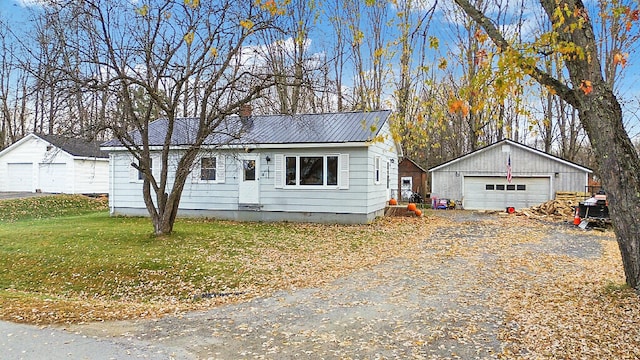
[411,207]
[393,202]
[418,212]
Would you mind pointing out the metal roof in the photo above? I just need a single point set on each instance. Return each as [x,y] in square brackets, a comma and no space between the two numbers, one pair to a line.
[344,127]
[514,143]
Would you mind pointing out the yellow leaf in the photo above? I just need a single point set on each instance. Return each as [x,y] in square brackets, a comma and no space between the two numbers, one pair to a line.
[143,10]
[192,3]
[434,42]
[213,52]
[247,24]
[188,38]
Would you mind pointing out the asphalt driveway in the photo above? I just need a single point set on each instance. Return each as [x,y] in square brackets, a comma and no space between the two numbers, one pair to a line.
[439,303]
[5,195]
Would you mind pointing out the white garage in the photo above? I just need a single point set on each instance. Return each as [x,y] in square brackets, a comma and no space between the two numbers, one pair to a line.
[54,164]
[506,174]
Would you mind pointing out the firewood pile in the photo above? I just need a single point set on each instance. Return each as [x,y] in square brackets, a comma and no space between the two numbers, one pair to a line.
[553,208]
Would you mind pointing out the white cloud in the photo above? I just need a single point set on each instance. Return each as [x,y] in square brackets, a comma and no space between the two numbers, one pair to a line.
[30,3]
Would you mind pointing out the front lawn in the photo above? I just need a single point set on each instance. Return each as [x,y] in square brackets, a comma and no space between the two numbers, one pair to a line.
[80,264]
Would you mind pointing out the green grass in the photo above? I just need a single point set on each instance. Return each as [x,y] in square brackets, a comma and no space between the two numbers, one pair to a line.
[64,259]
[96,255]
[43,207]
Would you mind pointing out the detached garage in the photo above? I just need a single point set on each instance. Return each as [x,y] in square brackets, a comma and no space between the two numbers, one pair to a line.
[54,164]
[506,174]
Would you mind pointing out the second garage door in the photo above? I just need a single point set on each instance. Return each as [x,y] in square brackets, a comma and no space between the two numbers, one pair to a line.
[52,178]
[495,193]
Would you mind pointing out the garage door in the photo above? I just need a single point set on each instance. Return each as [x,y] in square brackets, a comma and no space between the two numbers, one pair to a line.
[20,177]
[52,178]
[494,193]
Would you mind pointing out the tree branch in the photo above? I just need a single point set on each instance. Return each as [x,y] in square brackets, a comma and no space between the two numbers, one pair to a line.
[563,91]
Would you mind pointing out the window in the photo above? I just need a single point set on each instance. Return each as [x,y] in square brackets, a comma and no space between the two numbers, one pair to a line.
[249,167]
[500,187]
[311,170]
[376,170]
[521,187]
[511,187]
[208,168]
[140,173]
[135,175]
[489,187]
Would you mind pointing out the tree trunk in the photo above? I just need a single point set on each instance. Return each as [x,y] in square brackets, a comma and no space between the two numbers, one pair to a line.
[618,167]
[618,164]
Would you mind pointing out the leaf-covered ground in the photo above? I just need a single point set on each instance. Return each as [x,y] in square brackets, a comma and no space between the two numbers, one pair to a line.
[451,285]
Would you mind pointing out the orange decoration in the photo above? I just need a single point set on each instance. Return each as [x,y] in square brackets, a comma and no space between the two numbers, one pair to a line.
[393,202]
[411,207]
[418,212]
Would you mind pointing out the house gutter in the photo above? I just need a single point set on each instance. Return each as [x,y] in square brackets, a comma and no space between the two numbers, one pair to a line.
[352,144]
[112,172]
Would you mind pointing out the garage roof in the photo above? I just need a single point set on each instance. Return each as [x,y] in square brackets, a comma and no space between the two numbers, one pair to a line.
[516,144]
[73,146]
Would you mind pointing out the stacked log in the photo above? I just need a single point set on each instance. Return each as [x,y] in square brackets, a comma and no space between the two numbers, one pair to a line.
[553,208]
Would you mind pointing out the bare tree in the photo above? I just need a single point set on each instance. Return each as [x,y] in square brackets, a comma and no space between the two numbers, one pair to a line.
[13,90]
[617,162]
[182,58]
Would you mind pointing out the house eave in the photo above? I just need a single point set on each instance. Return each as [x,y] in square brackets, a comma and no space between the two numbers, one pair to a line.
[254,146]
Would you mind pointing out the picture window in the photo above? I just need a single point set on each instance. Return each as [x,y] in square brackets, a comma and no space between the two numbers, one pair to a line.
[311,170]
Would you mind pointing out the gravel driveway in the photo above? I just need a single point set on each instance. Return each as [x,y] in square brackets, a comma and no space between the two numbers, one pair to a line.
[433,304]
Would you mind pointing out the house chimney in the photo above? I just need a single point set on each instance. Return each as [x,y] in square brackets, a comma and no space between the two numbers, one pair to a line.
[245,111]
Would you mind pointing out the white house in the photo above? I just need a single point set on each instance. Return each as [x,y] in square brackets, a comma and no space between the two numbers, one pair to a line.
[338,167]
[54,164]
[506,174]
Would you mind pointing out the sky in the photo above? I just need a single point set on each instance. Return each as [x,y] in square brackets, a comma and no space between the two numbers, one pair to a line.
[16,12]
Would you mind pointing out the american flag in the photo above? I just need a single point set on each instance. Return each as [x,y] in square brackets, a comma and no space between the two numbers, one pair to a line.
[509,169]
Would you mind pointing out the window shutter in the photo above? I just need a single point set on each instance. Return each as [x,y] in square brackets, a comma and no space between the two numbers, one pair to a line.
[343,181]
[133,173]
[279,171]
[195,171]
[220,169]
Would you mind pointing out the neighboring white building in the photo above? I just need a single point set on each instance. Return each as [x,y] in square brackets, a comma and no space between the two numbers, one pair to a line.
[315,167]
[479,179]
[54,164]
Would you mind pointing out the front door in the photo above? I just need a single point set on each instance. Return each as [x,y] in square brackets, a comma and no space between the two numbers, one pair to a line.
[249,189]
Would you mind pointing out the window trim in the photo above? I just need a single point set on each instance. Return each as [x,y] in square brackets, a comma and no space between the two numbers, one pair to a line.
[196,173]
[377,172]
[281,173]
[214,168]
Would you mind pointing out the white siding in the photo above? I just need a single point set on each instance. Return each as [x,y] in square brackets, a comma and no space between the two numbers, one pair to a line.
[91,176]
[356,192]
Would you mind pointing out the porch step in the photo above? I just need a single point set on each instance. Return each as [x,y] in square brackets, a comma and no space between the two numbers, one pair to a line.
[250,207]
